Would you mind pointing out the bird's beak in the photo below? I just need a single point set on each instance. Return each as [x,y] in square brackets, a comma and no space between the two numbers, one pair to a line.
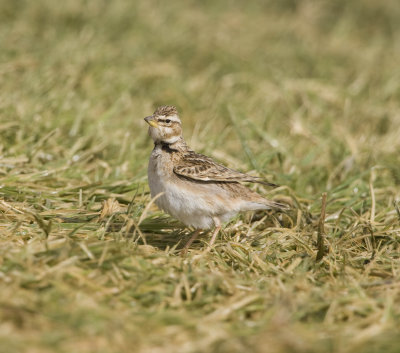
[151,121]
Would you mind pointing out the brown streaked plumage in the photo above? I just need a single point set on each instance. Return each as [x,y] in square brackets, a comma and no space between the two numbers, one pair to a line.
[202,168]
[192,187]
[166,110]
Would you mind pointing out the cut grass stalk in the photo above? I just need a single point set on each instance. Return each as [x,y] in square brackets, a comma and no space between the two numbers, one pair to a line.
[321,230]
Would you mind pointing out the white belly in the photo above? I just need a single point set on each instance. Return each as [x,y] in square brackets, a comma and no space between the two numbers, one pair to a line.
[176,197]
[181,204]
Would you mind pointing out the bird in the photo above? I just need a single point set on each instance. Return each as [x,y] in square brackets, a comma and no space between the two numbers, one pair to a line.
[192,187]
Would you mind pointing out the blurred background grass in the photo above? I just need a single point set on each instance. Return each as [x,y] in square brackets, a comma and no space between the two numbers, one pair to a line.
[306,93]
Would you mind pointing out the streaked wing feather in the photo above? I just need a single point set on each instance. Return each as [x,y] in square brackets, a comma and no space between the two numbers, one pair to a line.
[202,168]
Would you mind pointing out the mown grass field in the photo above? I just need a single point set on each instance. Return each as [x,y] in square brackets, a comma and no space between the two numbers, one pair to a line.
[305,93]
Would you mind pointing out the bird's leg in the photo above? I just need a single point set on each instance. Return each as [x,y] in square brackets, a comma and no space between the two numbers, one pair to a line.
[216,231]
[190,241]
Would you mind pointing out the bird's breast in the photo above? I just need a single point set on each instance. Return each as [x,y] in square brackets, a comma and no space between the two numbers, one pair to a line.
[159,173]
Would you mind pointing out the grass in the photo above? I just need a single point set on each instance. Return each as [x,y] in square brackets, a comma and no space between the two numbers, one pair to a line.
[304,93]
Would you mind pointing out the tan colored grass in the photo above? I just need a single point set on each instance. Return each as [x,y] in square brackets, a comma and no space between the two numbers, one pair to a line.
[304,93]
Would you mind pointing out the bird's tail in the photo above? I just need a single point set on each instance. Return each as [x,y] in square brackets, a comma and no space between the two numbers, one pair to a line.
[263,204]
[276,205]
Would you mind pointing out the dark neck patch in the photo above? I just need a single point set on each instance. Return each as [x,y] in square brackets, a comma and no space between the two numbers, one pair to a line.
[166,147]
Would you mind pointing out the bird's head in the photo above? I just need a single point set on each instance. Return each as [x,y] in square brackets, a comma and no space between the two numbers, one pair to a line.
[165,125]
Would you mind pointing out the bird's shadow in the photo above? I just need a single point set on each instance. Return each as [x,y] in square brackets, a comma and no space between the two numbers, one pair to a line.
[165,233]
[172,240]
[162,233]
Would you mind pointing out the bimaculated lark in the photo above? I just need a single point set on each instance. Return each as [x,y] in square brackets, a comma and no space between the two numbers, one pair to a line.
[192,187]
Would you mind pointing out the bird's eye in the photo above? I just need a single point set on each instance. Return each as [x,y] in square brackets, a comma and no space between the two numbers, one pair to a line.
[167,121]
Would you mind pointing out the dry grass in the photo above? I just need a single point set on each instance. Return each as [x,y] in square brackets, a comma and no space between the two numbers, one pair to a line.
[305,93]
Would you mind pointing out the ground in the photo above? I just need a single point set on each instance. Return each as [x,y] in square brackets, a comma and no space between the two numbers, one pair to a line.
[304,93]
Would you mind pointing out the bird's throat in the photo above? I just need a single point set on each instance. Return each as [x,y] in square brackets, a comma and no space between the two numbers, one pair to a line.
[177,146]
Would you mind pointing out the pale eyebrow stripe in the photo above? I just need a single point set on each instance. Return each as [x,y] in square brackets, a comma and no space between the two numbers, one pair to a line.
[173,118]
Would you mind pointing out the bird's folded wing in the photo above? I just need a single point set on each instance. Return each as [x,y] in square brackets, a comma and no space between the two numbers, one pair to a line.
[202,168]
